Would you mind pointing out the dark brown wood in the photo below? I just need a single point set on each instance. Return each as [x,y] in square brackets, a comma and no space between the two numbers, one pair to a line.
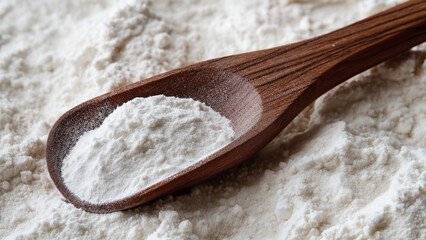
[260,92]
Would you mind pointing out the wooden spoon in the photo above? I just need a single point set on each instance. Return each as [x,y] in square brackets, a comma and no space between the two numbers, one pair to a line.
[260,92]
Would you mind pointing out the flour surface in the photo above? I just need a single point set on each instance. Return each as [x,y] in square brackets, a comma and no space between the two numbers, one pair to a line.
[352,165]
[141,143]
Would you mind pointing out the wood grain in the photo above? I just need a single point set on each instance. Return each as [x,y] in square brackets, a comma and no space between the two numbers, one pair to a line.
[260,92]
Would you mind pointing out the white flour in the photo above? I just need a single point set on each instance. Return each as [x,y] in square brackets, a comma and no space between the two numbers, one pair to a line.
[351,166]
[141,143]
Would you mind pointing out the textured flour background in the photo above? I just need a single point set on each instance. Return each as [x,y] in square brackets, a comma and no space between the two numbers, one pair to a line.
[352,165]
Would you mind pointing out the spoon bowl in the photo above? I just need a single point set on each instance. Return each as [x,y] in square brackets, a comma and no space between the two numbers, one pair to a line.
[260,92]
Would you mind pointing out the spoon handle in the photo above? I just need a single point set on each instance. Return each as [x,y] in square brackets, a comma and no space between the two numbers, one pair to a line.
[316,65]
[369,42]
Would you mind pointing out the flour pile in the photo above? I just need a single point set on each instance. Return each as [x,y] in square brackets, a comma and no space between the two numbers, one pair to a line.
[350,166]
[141,143]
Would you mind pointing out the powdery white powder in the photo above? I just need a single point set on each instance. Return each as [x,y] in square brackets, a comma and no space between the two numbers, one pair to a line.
[351,166]
[141,143]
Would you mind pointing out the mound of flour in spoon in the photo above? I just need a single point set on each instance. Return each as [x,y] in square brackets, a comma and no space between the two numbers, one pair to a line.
[141,143]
